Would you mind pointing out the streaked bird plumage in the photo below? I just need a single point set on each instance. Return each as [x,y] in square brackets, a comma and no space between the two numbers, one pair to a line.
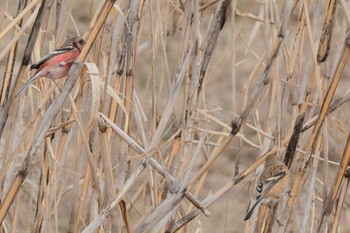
[271,185]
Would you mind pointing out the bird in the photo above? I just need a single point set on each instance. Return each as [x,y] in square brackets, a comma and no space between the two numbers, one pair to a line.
[57,63]
[271,185]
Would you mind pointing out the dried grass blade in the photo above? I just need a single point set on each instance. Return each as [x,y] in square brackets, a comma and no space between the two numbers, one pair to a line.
[326,36]
[214,29]
[99,220]
[209,200]
[11,59]
[126,217]
[323,112]
[18,18]
[52,112]
[90,71]
[328,204]
[131,142]
[341,203]
[90,157]
[171,102]
[164,210]
[152,162]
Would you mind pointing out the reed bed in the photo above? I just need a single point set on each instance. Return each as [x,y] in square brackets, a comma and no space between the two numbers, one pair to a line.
[167,116]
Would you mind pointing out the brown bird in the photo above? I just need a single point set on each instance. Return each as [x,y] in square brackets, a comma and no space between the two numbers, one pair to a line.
[272,184]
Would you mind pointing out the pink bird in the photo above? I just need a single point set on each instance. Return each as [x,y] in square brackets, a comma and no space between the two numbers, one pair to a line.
[57,63]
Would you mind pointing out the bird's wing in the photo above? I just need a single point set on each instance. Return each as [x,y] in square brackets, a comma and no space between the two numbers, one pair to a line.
[267,184]
[51,55]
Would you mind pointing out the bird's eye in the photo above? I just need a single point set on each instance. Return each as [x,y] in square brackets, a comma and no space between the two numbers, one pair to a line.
[61,64]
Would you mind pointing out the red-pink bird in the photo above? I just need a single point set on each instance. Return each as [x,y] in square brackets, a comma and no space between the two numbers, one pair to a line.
[57,63]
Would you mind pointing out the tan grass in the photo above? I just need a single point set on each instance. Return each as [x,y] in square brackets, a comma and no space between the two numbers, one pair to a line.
[169,109]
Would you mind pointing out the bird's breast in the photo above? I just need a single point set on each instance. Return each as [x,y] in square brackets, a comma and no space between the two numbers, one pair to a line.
[58,71]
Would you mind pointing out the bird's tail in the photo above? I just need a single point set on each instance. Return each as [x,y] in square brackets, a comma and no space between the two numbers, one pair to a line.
[32,79]
[251,210]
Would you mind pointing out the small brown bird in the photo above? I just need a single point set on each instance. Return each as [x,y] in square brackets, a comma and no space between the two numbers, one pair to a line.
[272,184]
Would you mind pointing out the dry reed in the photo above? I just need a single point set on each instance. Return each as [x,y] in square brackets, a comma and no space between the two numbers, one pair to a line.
[167,111]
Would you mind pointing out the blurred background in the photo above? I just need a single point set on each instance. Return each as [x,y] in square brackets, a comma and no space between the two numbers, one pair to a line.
[142,70]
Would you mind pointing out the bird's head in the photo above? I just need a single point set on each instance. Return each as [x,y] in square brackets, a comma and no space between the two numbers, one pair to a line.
[78,43]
